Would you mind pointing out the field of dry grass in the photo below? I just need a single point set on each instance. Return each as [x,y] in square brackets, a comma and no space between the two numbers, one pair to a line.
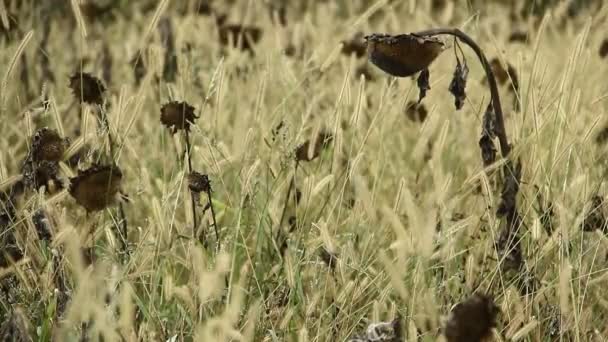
[198,184]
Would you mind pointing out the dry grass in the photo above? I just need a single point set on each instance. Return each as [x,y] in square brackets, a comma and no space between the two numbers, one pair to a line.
[395,218]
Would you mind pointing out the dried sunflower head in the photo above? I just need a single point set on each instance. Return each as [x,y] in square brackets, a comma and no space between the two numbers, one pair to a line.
[177,115]
[87,88]
[402,55]
[472,320]
[48,145]
[198,182]
[96,187]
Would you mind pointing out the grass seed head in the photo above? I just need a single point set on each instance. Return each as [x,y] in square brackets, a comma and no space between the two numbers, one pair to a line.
[96,187]
[472,320]
[177,116]
[87,88]
[402,55]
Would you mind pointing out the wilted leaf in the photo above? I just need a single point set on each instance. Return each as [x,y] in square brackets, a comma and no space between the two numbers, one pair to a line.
[489,122]
[423,83]
[508,245]
[459,84]
[488,151]
[508,198]
[402,55]
[472,320]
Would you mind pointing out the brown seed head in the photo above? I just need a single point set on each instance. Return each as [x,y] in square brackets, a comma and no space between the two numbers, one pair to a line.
[198,182]
[96,187]
[177,115]
[472,320]
[86,88]
[48,145]
[402,55]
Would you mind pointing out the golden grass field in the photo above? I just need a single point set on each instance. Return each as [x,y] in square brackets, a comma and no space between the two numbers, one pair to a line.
[391,218]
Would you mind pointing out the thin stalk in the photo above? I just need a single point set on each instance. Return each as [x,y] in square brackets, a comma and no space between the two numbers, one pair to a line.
[192,195]
[123,228]
[505,148]
[217,234]
[284,212]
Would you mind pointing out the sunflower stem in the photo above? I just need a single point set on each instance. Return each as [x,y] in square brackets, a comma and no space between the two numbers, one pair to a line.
[192,194]
[217,234]
[505,148]
[123,227]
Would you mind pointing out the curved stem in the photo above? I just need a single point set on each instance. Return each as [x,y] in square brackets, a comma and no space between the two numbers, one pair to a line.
[505,148]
